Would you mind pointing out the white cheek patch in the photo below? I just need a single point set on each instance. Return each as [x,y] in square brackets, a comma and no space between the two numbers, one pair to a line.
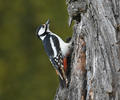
[41,31]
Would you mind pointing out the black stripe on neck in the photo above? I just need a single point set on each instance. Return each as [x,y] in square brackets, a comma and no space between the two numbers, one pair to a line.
[45,33]
[46,28]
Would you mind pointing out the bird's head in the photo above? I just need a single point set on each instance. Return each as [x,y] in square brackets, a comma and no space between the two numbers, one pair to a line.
[43,29]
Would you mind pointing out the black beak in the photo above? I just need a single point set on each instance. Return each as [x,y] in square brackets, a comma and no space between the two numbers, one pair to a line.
[48,21]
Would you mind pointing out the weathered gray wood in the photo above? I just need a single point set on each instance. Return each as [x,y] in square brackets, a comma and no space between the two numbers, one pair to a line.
[95,71]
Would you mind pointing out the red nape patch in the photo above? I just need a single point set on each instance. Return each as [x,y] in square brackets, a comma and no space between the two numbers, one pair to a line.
[65,64]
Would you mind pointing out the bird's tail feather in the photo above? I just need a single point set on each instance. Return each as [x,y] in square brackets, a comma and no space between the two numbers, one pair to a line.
[62,83]
[63,78]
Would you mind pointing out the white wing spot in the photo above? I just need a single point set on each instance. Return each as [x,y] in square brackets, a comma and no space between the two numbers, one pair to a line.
[53,47]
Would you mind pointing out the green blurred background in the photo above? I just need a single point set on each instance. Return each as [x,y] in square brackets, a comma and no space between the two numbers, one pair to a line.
[25,70]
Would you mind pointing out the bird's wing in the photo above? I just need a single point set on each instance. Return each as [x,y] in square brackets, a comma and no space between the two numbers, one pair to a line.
[58,64]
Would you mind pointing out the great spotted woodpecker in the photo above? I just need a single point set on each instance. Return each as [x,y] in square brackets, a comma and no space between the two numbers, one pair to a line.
[56,49]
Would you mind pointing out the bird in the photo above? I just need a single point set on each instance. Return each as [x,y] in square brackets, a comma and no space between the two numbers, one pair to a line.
[56,49]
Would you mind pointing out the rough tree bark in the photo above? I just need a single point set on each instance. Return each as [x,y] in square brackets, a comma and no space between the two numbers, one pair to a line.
[95,61]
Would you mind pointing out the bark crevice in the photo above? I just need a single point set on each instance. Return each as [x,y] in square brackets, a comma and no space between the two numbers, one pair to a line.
[95,66]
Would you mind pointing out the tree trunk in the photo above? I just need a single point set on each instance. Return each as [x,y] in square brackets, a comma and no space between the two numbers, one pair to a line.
[95,61]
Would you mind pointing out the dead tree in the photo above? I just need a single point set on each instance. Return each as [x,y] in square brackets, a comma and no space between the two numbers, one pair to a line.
[95,61]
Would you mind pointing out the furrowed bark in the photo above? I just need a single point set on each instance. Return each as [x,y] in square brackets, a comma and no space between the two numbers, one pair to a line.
[95,61]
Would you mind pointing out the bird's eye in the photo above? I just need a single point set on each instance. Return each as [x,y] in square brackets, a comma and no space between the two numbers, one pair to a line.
[43,26]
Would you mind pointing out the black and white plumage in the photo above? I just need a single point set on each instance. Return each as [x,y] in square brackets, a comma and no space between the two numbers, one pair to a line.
[55,48]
